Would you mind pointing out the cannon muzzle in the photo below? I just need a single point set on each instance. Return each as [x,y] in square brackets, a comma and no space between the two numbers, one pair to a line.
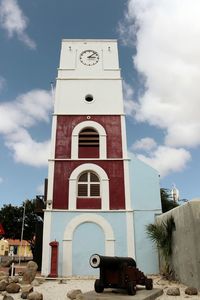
[97,261]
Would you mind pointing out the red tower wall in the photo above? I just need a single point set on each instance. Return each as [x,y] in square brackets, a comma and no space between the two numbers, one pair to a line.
[66,124]
[113,168]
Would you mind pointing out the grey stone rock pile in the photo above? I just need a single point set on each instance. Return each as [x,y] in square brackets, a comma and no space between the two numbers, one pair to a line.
[12,285]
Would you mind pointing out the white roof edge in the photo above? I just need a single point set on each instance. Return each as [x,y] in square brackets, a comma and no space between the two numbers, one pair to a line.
[89,40]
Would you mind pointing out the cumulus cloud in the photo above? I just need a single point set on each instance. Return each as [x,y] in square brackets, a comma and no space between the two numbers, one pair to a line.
[145,144]
[17,117]
[166,36]
[14,21]
[167,159]
[130,106]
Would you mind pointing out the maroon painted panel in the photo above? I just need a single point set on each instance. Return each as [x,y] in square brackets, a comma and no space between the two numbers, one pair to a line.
[88,152]
[114,170]
[88,203]
[66,124]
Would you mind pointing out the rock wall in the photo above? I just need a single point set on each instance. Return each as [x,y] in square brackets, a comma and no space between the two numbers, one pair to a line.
[186,242]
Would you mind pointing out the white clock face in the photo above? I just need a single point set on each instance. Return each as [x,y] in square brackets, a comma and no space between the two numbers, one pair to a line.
[89,57]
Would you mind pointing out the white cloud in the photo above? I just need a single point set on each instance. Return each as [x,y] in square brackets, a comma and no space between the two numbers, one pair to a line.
[25,111]
[17,117]
[167,159]
[26,150]
[168,56]
[1,180]
[14,21]
[130,105]
[166,36]
[145,144]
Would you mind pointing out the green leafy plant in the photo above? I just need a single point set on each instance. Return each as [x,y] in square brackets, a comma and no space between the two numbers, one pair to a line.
[161,234]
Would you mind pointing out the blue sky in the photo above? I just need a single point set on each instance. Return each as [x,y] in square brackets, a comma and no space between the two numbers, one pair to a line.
[159,50]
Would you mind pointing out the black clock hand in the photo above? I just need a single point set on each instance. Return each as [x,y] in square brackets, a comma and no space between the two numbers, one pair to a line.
[91,56]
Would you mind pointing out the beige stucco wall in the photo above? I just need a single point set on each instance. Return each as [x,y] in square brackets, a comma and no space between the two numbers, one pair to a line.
[186,242]
[4,247]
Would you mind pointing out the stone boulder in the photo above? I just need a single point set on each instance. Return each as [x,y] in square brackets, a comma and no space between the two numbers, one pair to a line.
[73,294]
[35,296]
[7,297]
[26,290]
[30,272]
[173,291]
[35,282]
[3,275]
[81,297]
[191,291]
[13,288]
[7,263]
[3,284]
[14,279]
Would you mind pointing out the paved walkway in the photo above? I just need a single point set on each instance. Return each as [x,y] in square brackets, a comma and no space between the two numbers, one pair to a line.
[141,294]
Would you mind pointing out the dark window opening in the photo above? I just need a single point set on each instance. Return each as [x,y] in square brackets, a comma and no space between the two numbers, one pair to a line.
[88,137]
[88,185]
[89,98]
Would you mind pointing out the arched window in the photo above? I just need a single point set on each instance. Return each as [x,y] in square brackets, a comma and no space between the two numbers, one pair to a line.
[88,191]
[88,188]
[88,143]
[97,147]
[88,185]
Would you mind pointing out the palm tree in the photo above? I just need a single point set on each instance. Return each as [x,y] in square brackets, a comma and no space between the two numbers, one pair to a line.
[161,234]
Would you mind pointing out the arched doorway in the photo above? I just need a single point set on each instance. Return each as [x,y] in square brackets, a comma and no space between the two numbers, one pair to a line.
[72,238]
[82,248]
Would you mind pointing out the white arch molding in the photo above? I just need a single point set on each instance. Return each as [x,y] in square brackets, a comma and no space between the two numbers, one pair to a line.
[104,185]
[68,238]
[102,138]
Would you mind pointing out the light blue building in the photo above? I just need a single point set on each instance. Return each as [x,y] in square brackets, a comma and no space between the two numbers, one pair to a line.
[146,204]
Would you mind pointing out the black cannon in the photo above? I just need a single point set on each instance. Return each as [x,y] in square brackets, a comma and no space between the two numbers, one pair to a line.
[118,272]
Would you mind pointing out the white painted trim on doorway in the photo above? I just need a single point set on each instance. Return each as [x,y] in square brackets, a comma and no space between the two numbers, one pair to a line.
[68,238]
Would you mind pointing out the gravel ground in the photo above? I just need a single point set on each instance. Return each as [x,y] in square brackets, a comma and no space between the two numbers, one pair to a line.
[57,289]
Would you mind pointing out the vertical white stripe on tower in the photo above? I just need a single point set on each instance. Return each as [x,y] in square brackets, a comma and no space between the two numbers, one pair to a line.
[46,254]
[130,234]
[51,164]
[126,165]
[53,137]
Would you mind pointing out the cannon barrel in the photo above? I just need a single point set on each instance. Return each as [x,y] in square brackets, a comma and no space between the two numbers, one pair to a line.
[98,261]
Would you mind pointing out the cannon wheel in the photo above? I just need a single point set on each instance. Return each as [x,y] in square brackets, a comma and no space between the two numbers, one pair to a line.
[98,286]
[149,284]
[131,289]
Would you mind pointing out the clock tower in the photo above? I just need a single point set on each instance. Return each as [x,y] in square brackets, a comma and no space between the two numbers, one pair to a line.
[88,202]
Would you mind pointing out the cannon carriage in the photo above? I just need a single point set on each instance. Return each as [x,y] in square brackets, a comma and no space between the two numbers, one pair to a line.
[119,273]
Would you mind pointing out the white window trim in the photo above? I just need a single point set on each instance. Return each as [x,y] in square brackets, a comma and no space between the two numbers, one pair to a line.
[104,185]
[102,138]
[88,183]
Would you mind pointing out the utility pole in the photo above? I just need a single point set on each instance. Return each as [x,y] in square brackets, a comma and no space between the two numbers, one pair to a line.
[22,232]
